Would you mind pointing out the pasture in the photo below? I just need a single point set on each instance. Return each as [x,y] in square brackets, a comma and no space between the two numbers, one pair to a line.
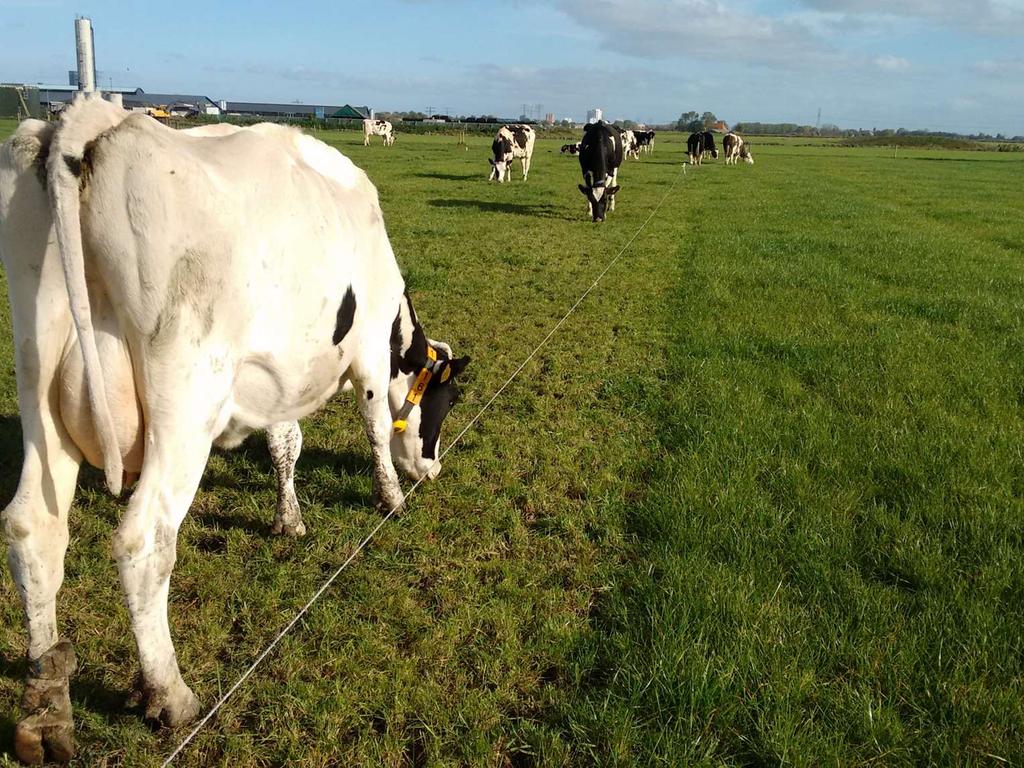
[760,502]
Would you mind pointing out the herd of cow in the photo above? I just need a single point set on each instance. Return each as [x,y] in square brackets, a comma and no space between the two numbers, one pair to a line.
[601,152]
[172,291]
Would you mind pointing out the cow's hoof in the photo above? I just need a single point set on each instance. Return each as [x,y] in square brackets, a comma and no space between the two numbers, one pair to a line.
[172,708]
[287,527]
[46,733]
[44,737]
[388,502]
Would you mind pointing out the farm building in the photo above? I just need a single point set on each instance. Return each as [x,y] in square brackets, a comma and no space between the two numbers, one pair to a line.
[55,97]
[262,109]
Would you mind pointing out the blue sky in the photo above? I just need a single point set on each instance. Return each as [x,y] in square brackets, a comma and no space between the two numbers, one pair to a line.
[935,64]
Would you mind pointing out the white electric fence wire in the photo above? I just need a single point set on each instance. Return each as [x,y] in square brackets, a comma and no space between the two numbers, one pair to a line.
[362,544]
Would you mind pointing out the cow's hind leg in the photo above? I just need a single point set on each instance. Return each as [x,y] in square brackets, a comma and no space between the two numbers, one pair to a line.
[145,546]
[285,442]
[36,526]
[182,416]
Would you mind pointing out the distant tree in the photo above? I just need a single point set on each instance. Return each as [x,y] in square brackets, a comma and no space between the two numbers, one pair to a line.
[685,120]
[708,119]
[626,125]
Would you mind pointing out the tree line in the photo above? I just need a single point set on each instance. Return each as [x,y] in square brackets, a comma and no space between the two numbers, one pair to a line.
[690,122]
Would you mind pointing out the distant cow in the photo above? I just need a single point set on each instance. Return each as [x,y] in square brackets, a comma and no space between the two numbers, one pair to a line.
[735,149]
[511,142]
[381,128]
[572,149]
[645,140]
[629,144]
[600,158]
[698,144]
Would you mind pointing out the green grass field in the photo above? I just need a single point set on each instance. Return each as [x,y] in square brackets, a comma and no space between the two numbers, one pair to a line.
[758,503]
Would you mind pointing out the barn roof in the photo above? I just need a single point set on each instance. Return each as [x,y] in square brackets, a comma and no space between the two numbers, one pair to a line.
[353,113]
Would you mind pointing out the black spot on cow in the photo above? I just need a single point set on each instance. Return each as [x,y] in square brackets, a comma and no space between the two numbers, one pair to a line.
[519,134]
[346,316]
[411,358]
[74,165]
[369,394]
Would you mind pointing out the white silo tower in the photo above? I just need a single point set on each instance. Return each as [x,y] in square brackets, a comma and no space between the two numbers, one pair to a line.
[86,57]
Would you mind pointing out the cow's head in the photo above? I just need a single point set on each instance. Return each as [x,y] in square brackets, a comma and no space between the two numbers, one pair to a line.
[598,197]
[423,391]
[745,154]
[714,153]
[501,149]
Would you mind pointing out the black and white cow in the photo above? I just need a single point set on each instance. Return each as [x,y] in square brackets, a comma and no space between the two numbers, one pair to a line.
[141,263]
[630,146]
[645,140]
[381,128]
[698,144]
[601,154]
[572,149]
[736,149]
[511,142]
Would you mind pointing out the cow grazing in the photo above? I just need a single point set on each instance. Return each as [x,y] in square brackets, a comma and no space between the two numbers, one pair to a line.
[171,291]
[698,144]
[601,154]
[645,141]
[512,141]
[572,149]
[381,128]
[736,149]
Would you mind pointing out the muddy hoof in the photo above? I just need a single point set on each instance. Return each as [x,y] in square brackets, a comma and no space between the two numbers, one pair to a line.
[288,527]
[388,501]
[168,708]
[46,733]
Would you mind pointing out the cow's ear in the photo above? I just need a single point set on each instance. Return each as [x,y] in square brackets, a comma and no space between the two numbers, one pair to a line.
[583,190]
[490,160]
[612,190]
[458,365]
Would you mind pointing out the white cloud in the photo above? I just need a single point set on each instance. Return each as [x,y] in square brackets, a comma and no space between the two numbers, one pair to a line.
[706,29]
[889,63]
[984,17]
[1006,67]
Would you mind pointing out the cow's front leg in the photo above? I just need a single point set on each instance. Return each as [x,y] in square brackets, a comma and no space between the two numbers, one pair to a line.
[371,384]
[526,167]
[285,442]
[36,526]
[145,546]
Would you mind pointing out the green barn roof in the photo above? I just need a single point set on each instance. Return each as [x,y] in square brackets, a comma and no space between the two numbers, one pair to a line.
[352,113]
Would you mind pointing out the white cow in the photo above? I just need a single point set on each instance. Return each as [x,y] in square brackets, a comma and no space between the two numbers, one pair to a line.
[233,283]
[511,141]
[381,128]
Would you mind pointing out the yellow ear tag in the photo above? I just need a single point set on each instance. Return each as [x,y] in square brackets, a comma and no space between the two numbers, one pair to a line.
[447,374]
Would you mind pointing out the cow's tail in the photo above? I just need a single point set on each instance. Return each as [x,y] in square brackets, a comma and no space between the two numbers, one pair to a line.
[67,167]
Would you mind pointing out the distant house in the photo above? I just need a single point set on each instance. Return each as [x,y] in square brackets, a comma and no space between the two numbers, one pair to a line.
[720,127]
